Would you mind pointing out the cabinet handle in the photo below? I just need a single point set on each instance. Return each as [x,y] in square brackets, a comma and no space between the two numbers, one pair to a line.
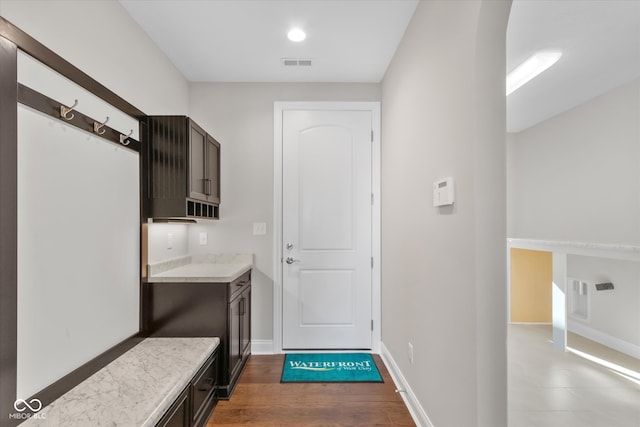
[242,308]
[207,186]
[208,384]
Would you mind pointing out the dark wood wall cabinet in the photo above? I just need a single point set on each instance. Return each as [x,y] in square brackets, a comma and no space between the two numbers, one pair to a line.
[196,403]
[183,169]
[206,310]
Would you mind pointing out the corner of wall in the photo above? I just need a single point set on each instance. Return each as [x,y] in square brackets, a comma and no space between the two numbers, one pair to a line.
[404,389]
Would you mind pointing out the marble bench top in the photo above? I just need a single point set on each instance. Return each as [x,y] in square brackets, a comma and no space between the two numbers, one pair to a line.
[134,390]
[215,268]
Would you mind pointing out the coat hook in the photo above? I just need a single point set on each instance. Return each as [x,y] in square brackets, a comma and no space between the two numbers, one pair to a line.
[124,139]
[97,127]
[65,111]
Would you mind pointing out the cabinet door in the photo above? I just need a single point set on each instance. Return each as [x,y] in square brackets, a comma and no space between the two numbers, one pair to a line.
[212,187]
[245,323]
[234,335]
[203,390]
[197,162]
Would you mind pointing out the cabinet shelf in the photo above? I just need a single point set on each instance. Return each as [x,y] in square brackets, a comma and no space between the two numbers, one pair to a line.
[182,165]
[197,209]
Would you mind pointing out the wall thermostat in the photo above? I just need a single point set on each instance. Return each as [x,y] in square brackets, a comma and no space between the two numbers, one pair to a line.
[443,192]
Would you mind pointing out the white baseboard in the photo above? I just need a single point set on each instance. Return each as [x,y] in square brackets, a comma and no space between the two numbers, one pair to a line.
[415,409]
[604,339]
[262,347]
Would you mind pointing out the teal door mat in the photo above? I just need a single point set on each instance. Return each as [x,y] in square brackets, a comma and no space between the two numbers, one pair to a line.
[330,367]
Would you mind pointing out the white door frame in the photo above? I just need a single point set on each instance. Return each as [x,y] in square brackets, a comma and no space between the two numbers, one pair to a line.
[278,109]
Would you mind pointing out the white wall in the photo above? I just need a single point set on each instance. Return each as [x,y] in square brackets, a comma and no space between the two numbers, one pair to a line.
[443,269]
[101,39]
[240,116]
[576,176]
[68,247]
[167,241]
[612,313]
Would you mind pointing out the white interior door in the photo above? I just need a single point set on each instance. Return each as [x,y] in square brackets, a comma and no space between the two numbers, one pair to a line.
[327,229]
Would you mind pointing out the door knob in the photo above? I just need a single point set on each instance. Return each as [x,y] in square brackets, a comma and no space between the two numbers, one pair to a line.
[290,260]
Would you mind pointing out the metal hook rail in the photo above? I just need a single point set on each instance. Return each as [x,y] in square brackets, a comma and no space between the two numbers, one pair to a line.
[55,109]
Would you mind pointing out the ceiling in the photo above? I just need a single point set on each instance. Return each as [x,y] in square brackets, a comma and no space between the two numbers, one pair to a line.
[246,40]
[354,41]
[600,44]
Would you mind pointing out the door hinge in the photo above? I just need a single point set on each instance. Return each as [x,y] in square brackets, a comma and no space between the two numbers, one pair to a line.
[372,199]
[371,135]
[372,324]
[371,262]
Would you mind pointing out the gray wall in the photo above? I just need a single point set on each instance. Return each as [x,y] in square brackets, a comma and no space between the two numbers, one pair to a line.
[240,116]
[576,176]
[443,269]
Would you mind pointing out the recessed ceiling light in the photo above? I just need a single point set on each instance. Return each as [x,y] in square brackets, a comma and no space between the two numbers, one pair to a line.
[296,35]
[530,68]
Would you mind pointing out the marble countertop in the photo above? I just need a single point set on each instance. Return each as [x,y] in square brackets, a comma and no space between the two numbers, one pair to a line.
[201,268]
[134,390]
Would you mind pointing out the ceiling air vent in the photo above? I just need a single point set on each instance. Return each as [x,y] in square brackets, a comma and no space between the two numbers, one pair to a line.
[287,62]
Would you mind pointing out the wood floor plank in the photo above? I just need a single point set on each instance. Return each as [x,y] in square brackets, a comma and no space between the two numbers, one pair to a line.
[261,400]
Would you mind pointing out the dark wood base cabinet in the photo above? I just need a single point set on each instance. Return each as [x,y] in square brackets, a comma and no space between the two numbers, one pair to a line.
[196,403]
[206,310]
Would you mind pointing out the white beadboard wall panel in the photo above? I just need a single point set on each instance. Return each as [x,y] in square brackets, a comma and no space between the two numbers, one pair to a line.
[78,248]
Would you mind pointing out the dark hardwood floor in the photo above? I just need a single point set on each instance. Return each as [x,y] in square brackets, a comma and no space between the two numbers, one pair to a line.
[261,400]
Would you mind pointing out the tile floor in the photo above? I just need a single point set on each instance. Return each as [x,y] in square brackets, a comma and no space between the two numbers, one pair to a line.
[552,388]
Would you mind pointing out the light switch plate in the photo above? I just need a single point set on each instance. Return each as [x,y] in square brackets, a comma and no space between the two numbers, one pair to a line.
[259,228]
[203,238]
